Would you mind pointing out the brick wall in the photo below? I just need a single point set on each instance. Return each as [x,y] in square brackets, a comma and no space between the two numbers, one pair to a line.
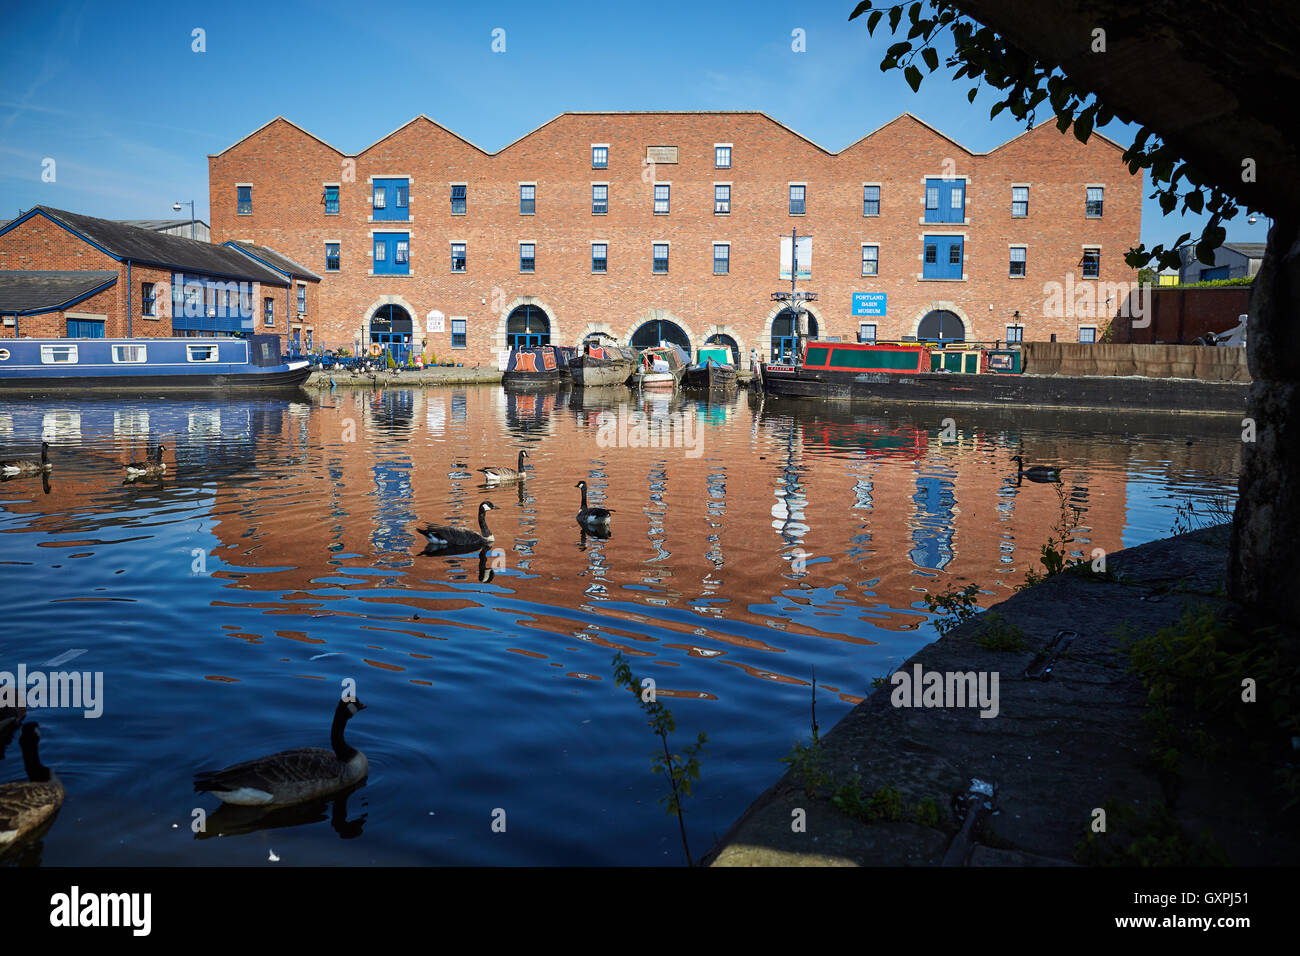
[289,168]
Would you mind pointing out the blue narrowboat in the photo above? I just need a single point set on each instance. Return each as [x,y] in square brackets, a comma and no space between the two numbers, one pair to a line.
[148,365]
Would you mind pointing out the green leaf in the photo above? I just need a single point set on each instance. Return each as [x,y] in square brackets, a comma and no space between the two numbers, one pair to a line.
[860,9]
[931,57]
[873,20]
[895,14]
[913,76]
[898,49]
[1083,125]
[970,97]
[1195,201]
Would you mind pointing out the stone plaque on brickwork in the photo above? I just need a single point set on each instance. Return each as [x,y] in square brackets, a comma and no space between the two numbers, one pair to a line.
[661,154]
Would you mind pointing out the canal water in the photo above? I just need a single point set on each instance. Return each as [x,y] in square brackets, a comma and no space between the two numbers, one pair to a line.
[751,545]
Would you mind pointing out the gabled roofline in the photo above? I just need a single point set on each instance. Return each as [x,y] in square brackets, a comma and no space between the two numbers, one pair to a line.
[793,132]
[270,122]
[417,118]
[912,116]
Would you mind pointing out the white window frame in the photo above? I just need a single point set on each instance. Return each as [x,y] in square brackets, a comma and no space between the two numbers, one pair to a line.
[215,356]
[48,353]
[137,348]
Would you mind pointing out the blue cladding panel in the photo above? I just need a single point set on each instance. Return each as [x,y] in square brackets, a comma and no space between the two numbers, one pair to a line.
[393,195]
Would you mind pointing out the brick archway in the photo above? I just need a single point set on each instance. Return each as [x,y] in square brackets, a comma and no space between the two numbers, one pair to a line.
[939,306]
[417,326]
[659,315]
[765,343]
[504,317]
[732,333]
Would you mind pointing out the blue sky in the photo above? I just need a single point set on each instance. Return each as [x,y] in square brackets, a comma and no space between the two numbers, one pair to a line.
[129,112]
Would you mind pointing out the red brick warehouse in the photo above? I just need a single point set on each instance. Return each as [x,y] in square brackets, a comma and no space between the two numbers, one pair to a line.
[668,225]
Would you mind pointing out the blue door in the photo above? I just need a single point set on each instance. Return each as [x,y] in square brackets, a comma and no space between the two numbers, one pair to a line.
[85,328]
[943,257]
[396,344]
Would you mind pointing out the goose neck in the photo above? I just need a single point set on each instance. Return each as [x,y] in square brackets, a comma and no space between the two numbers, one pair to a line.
[342,749]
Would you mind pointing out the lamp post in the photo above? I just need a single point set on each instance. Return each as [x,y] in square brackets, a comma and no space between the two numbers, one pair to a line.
[176,206]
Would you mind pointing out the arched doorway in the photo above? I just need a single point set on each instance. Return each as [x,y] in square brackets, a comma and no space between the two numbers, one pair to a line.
[390,329]
[527,327]
[727,342]
[660,332]
[783,334]
[941,326]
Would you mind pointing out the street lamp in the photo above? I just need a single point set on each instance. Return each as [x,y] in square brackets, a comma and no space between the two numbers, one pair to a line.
[177,207]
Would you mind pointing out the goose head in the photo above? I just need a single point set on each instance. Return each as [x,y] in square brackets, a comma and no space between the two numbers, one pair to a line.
[485,507]
[1018,458]
[582,485]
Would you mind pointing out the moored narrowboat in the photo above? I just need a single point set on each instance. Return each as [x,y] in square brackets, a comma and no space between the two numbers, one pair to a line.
[133,365]
[712,369]
[537,367]
[832,369]
[661,366]
[600,365]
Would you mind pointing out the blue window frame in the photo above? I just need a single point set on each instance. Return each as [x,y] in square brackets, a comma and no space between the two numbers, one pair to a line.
[1087,335]
[660,252]
[527,200]
[458,200]
[331,200]
[85,329]
[600,157]
[331,257]
[722,157]
[1093,205]
[867,332]
[943,257]
[871,200]
[722,199]
[458,333]
[392,253]
[599,257]
[527,257]
[945,200]
[459,258]
[302,299]
[721,259]
[1091,263]
[147,298]
[390,200]
[244,197]
[599,199]
[1015,333]
[661,199]
[1018,262]
[268,311]
[797,195]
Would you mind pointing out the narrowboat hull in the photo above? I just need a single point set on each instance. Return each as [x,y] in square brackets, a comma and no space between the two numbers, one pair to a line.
[536,381]
[710,376]
[659,379]
[147,365]
[591,372]
[289,379]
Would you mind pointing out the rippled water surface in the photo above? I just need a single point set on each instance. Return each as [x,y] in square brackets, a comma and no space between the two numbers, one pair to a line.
[279,556]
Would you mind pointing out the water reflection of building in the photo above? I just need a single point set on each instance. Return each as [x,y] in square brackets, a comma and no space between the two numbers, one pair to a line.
[880,506]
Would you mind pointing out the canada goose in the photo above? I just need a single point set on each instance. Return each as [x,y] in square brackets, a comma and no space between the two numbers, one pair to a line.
[1037,472]
[500,475]
[153,467]
[291,776]
[27,466]
[593,519]
[448,538]
[26,805]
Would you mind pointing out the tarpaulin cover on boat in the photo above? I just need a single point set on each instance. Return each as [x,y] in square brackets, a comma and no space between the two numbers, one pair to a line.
[612,353]
[541,358]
